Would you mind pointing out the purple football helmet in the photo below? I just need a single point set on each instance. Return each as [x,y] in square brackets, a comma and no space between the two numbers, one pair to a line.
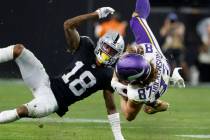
[132,67]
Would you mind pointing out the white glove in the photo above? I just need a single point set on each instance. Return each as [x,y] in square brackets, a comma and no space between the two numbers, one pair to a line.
[176,78]
[119,88]
[104,12]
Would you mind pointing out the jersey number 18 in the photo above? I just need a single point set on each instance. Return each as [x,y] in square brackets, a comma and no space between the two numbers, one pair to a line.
[84,81]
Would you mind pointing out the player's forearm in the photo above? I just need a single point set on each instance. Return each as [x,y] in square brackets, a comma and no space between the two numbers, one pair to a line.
[130,108]
[109,102]
[111,109]
[124,109]
[76,21]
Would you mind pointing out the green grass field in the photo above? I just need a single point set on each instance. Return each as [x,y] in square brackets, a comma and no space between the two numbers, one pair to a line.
[189,114]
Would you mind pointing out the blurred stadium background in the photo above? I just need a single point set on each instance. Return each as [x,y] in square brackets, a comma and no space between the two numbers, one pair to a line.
[39,25]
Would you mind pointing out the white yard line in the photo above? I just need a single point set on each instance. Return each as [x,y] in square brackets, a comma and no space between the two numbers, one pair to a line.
[195,136]
[65,120]
[85,120]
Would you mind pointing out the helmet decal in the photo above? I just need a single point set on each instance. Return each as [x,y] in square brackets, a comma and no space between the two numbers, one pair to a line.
[130,78]
[115,41]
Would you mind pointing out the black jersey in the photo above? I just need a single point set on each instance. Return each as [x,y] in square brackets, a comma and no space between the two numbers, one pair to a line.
[81,78]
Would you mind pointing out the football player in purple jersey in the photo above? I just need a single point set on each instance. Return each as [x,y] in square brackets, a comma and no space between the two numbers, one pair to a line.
[142,74]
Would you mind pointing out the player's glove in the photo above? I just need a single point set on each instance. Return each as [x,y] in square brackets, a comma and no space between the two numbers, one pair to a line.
[119,88]
[176,78]
[104,12]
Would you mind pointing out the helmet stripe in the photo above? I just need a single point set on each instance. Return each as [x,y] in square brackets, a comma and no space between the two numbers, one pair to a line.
[115,41]
[133,77]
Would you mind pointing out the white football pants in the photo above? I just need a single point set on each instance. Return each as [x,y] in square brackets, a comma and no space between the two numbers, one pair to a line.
[36,78]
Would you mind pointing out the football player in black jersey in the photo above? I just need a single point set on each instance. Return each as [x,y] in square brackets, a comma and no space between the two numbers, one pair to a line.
[89,71]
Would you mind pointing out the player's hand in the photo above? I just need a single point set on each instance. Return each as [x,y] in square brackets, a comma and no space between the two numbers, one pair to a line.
[104,12]
[119,88]
[161,106]
[176,78]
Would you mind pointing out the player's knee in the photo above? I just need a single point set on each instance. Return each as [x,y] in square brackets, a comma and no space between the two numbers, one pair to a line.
[22,111]
[39,111]
[18,50]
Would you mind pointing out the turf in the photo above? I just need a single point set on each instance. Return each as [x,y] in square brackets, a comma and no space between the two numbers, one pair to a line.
[189,114]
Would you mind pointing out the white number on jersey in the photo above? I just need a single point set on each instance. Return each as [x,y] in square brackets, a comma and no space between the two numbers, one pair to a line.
[79,82]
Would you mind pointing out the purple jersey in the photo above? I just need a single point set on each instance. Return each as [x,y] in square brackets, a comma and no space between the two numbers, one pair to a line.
[152,52]
[157,88]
